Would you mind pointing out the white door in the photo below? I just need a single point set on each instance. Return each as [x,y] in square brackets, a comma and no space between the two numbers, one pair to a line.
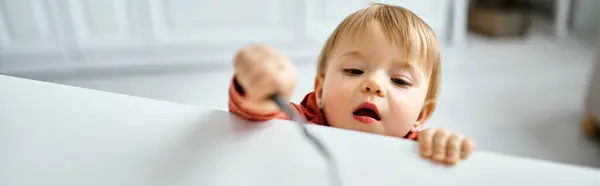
[212,30]
[72,34]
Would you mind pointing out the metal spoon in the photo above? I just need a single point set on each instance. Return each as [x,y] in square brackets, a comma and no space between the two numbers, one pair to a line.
[294,116]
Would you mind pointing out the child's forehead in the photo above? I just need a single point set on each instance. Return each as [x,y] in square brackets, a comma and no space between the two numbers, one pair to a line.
[398,32]
[406,43]
[372,43]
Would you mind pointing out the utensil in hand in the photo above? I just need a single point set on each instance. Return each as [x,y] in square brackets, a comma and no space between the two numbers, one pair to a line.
[294,116]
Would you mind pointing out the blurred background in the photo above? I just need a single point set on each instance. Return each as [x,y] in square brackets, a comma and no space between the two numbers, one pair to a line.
[514,72]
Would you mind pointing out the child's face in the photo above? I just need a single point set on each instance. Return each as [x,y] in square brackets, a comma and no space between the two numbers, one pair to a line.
[367,70]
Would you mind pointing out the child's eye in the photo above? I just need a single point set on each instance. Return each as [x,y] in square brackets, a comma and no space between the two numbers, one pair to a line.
[353,72]
[400,82]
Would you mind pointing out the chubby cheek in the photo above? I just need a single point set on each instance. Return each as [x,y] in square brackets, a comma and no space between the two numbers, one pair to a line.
[400,123]
[406,108]
[336,100]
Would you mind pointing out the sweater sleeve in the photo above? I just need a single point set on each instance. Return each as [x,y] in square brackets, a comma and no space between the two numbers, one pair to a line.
[412,136]
[239,106]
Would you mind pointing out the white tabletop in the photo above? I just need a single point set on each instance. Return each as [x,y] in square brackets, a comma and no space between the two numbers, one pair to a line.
[55,135]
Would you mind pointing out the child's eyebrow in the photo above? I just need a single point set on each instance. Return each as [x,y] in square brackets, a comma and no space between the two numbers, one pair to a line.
[404,63]
[354,54]
[407,65]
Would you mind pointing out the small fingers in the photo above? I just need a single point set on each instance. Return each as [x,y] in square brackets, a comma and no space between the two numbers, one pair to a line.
[453,152]
[440,140]
[249,56]
[250,79]
[425,142]
[260,80]
[263,86]
[261,71]
[467,147]
[289,82]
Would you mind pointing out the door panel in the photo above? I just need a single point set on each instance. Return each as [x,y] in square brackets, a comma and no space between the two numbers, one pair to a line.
[105,24]
[28,26]
[221,22]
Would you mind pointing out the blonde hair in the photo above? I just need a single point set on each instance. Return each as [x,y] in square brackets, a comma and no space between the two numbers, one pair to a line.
[403,28]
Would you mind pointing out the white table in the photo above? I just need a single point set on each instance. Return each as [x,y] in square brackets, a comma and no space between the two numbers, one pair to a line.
[55,135]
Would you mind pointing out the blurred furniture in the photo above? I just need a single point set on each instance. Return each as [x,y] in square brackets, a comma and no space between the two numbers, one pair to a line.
[561,19]
[562,15]
[500,18]
[79,36]
[57,135]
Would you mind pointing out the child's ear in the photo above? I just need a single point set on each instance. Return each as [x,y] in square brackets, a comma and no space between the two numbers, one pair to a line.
[319,90]
[425,114]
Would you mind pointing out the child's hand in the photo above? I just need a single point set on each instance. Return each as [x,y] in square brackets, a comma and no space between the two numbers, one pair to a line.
[261,71]
[444,147]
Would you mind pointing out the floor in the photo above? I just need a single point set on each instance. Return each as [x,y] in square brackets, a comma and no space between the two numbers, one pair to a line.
[522,98]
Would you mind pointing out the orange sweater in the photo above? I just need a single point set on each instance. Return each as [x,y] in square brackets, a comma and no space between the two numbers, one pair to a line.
[307,108]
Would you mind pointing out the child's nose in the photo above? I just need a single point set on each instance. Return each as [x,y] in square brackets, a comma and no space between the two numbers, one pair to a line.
[372,86]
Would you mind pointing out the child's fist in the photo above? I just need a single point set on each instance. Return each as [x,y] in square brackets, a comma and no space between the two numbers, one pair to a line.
[444,147]
[261,71]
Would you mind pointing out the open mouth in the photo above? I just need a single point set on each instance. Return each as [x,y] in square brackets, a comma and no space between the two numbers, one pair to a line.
[367,111]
